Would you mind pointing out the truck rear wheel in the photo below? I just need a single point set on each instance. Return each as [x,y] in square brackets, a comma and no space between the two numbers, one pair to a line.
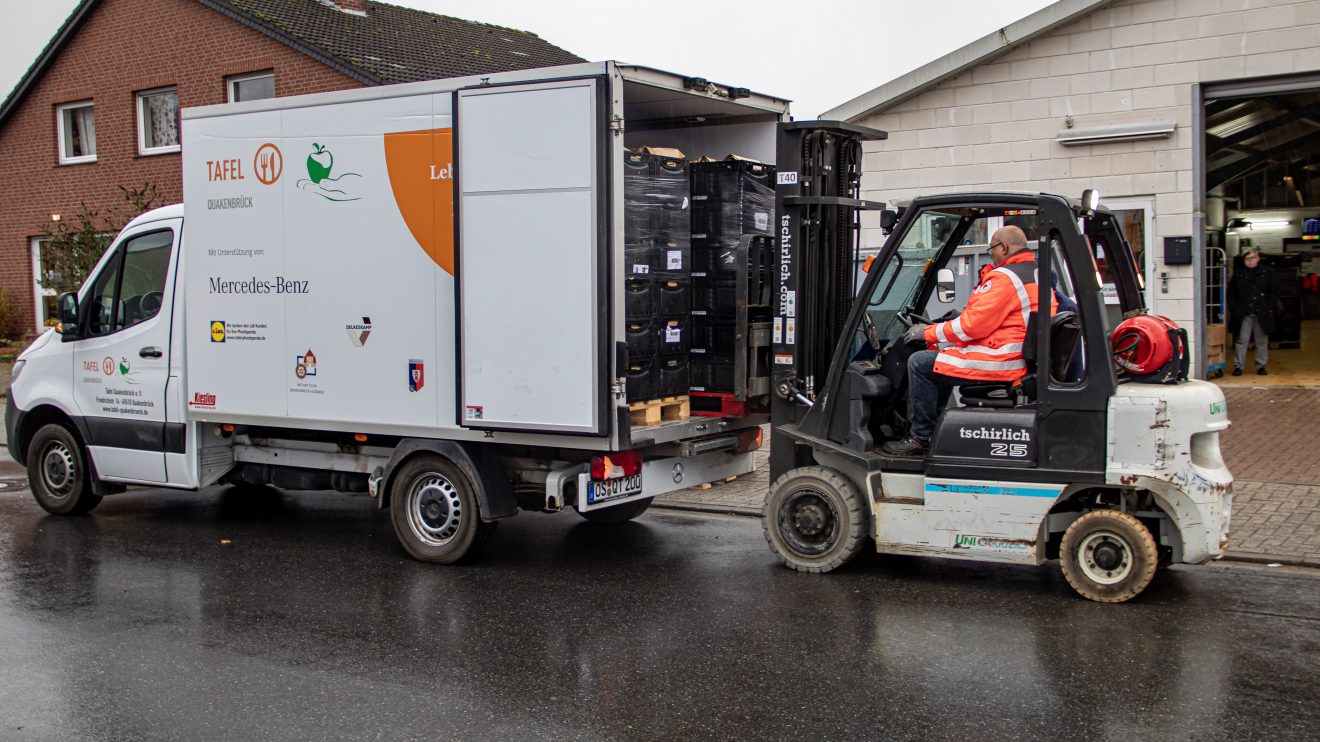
[58,473]
[814,519]
[433,506]
[1108,556]
[618,513]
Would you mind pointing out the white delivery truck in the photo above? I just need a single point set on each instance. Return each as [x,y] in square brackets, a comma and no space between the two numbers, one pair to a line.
[412,291]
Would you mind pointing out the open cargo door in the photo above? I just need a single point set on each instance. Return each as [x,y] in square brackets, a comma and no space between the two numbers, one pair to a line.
[532,297]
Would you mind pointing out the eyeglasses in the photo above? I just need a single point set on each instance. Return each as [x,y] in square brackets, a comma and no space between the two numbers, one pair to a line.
[991,251]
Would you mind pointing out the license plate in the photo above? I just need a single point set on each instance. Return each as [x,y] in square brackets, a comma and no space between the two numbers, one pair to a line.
[613,489]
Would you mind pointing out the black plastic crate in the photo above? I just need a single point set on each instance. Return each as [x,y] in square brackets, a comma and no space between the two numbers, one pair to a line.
[727,179]
[638,297]
[643,378]
[732,198]
[640,259]
[715,257]
[713,334]
[671,220]
[673,375]
[642,335]
[714,294]
[673,295]
[672,335]
[664,167]
[673,256]
[712,372]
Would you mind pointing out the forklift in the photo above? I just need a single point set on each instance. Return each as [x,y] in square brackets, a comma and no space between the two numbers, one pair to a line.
[1114,474]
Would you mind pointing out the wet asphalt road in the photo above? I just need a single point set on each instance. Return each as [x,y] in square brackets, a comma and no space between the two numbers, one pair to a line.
[138,623]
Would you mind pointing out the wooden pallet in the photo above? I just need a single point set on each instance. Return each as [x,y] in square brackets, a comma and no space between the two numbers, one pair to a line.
[653,412]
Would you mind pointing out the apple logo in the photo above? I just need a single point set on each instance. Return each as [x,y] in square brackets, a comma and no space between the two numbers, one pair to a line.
[319,163]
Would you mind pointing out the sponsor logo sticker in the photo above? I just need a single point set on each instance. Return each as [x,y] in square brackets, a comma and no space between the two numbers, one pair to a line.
[417,375]
[202,400]
[474,412]
[357,333]
[217,331]
[305,365]
[989,543]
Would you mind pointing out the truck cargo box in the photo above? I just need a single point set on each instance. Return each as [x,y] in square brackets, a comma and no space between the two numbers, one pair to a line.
[445,259]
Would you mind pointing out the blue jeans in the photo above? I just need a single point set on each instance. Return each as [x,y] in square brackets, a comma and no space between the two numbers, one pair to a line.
[928,393]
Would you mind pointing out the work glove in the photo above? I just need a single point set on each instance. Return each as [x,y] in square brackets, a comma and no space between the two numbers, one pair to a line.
[915,335]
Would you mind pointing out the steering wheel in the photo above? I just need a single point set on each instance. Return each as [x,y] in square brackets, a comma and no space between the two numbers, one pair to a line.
[150,303]
[912,318]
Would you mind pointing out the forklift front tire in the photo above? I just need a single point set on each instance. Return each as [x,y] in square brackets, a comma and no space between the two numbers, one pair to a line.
[1108,556]
[814,520]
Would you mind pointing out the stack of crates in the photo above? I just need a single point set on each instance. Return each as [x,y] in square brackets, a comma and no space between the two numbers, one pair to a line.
[730,198]
[658,283]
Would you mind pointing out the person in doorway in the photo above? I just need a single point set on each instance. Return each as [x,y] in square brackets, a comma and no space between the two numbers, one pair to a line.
[1252,293]
[984,343]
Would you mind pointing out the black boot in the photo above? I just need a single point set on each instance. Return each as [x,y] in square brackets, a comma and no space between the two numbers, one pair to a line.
[908,446]
[1261,371]
[1237,371]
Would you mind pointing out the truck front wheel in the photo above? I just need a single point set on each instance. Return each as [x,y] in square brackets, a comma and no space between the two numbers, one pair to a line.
[814,519]
[1108,556]
[58,473]
[433,506]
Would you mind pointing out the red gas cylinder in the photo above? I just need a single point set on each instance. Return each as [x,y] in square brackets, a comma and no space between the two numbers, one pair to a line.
[1145,344]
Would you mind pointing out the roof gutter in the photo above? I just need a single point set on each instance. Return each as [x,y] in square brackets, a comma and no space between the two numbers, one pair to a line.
[292,41]
[955,63]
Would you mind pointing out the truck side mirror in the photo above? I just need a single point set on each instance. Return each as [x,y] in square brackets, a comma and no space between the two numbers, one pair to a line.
[66,311]
[944,286]
[888,218]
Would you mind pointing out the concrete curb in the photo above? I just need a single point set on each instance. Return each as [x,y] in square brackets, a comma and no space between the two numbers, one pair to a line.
[702,508]
[1256,558]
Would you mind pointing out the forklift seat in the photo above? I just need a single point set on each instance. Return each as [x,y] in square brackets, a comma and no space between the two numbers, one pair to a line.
[1064,333]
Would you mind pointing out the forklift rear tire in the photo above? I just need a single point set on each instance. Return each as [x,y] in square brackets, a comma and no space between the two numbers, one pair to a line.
[58,473]
[1108,556]
[618,513]
[814,519]
[433,506]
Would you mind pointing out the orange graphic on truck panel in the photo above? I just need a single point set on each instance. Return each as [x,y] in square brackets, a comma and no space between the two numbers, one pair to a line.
[421,170]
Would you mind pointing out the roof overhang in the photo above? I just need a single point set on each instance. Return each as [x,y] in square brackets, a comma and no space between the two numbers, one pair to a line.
[955,63]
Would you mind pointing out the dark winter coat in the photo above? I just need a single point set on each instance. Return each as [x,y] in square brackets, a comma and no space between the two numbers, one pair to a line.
[1253,291]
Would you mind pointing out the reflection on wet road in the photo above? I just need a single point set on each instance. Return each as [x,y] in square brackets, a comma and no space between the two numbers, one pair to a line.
[137,622]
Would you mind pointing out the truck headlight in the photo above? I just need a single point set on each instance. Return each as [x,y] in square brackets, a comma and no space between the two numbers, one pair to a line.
[18,368]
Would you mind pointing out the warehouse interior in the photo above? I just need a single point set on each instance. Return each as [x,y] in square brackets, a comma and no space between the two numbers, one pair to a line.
[1262,186]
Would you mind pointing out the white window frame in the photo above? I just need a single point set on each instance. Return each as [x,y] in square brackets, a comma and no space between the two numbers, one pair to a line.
[39,292]
[139,100]
[231,82]
[1152,277]
[61,135]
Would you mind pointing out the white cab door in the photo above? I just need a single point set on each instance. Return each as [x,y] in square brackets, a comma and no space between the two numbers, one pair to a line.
[531,299]
[121,357]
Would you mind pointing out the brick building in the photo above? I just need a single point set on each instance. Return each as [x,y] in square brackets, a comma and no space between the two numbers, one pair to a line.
[98,109]
[1194,118]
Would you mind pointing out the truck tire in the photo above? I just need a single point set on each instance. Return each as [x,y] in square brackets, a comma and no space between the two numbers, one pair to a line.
[1108,556]
[58,473]
[814,520]
[433,506]
[618,513]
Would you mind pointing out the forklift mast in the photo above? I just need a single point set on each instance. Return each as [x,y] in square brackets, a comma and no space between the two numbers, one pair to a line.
[818,205]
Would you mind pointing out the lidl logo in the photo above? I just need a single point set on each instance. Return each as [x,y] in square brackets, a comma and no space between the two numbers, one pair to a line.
[217,331]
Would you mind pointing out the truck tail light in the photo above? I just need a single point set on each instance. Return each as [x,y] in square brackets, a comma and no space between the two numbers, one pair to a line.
[615,465]
[750,440]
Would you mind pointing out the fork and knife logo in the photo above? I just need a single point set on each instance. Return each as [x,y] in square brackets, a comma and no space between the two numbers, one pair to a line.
[268,163]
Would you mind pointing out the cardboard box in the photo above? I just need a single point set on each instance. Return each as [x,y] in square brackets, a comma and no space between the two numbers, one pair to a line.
[1215,334]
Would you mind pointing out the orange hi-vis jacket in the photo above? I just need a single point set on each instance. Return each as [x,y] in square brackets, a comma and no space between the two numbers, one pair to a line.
[985,341]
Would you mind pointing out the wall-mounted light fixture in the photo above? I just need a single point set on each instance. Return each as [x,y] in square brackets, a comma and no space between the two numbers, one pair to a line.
[1269,224]
[1117,133]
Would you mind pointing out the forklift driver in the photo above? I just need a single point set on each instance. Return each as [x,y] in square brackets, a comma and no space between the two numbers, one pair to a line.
[983,344]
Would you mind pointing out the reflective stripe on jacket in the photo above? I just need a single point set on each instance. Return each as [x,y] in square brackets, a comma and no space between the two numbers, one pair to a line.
[985,341]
